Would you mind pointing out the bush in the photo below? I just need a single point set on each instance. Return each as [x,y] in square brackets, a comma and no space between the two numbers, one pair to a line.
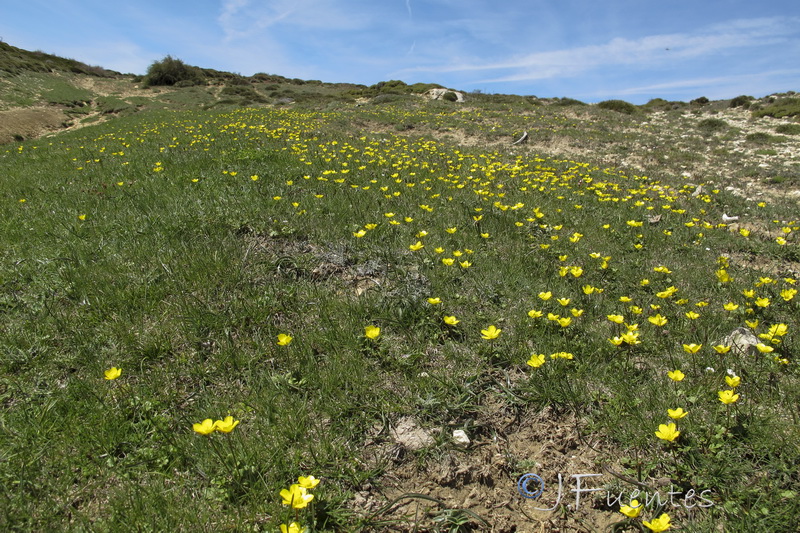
[171,71]
[785,107]
[741,101]
[450,96]
[788,129]
[568,102]
[712,125]
[620,106]
[700,101]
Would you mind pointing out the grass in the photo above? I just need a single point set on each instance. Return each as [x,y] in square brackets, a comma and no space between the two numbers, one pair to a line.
[178,245]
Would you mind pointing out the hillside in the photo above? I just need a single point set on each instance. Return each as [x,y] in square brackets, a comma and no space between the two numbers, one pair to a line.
[263,304]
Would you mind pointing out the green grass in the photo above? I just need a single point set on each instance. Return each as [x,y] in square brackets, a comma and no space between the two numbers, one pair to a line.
[178,245]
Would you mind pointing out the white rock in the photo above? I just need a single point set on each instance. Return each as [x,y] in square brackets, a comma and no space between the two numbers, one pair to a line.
[460,438]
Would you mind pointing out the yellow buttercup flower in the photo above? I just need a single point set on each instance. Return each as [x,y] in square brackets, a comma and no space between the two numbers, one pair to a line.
[676,375]
[205,427]
[294,527]
[227,425]
[657,525]
[677,414]
[113,373]
[727,396]
[451,320]
[692,348]
[434,301]
[307,482]
[616,319]
[296,496]
[490,333]
[722,349]
[284,339]
[372,332]
[536,360]
[416,246]
[668,432]
[533,313]
[632,510]
[657,320]
[733,381]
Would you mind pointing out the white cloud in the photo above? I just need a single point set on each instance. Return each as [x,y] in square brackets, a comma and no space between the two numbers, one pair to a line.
[645,52]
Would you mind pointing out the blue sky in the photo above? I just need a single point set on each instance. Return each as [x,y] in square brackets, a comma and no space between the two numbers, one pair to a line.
[594,50]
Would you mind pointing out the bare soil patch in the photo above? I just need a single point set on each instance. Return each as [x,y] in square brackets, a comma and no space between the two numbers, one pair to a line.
[20,124]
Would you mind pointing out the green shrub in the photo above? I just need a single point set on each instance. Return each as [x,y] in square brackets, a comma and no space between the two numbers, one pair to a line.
[620,106]
[788,129]
[741,101]
[568,102]
[763,138]
[784,107]
[700,101]
[171,71]
[450,96]
[712,125]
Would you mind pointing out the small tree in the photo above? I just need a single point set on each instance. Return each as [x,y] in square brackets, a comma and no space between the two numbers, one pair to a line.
[171,71]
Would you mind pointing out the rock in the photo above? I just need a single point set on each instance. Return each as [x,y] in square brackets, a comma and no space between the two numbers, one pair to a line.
[409,435]
[438,94]
[460,438]
[741,340]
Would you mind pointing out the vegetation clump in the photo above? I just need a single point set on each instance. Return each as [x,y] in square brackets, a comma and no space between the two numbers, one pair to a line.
[172,71]
[620,106]
[781,108]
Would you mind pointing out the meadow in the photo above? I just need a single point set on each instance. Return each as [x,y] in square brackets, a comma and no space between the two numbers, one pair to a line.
[212,315]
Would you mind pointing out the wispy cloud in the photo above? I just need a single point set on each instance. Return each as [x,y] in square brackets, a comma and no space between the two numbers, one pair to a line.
[646,52]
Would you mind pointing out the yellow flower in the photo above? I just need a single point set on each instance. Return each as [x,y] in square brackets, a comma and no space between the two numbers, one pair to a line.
[284,339]
[533,313]
[308,482]
[563,301]
[294,527]
[657,525]
[490,333]
[657,320]
[451,320]
[465,264]
[616,341]
[227,425]
[372,332]
[588,289]
[691,315]
[632,510]
[733,381]
[723,276]
[434,301]
[676,375]
[565,321]
[788,294]
[536,360]
[667,432]
[416,246]
[692,348]
[752,323]
[763,348]
[296,496]
[677,414]
[205,427]
[662,269]
[576,312]
[722,349]
[730,306]
[561,355]
[448,261]
[113,373]
[762,302]
[616,319]
[727,396]
[451,230]
[545,295]
[667,293]
[81,217]
[360,233]
[630,337]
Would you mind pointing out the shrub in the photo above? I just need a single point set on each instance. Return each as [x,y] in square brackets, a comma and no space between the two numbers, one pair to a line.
[170,71]
[741,101]
[620,106]
[700,101]
[788,129]
[785,107]
[569,102]
[450,96]
[712,125]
